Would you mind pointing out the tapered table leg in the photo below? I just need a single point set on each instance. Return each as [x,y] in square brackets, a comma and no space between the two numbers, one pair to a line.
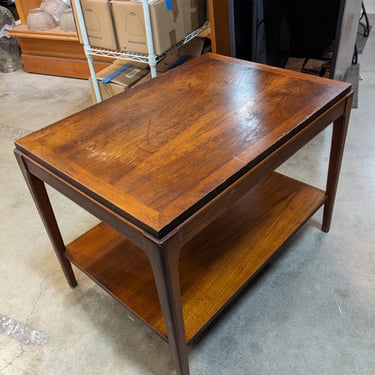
[164,261]
[43,204]
[340,128]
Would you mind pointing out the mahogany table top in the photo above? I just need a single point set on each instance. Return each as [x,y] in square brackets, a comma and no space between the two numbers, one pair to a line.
[160,151]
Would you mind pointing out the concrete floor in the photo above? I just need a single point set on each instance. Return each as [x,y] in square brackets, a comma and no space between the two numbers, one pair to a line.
[311,312]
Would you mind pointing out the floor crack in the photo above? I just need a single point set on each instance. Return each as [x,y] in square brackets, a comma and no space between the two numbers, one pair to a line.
[11,363]
[36,300]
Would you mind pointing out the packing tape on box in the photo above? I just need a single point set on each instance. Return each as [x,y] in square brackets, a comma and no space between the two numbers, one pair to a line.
[113,75]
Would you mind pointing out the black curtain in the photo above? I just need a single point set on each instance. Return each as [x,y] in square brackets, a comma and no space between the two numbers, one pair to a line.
[271,31]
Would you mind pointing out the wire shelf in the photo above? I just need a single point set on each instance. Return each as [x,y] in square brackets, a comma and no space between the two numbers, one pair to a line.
[139,57]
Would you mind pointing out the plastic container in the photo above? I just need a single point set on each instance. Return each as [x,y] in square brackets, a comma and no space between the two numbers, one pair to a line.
[67,21]
[40,20]
[55,7]
[10,56]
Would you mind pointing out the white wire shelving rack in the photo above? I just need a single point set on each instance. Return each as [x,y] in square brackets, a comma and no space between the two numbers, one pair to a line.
[151,58]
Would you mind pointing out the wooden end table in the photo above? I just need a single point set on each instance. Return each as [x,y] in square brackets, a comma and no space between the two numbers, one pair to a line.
[180,171]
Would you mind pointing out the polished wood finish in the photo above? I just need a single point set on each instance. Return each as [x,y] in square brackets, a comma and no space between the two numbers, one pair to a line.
[259,109]
[181,172]
[214,266]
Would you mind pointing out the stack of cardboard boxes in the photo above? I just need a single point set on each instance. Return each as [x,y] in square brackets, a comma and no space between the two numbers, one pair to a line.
[120,24]
[118,77]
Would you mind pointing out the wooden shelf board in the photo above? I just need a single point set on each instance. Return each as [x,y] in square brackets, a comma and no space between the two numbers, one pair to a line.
[58,66]
[22,31]
[214,266]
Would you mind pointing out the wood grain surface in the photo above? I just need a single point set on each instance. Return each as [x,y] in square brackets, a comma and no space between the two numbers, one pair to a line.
[214,266]
[156,154]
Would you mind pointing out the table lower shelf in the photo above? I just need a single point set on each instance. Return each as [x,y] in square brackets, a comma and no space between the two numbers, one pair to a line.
[214,266]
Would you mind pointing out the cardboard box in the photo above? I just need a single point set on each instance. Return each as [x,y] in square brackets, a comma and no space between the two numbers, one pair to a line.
[99,23]
[193,47]
[195,14]
[121,82]
[168,26]
[144,79]
[107,90]
[295,63]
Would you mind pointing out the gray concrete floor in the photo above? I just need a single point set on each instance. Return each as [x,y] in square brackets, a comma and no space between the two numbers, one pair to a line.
[311,312]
